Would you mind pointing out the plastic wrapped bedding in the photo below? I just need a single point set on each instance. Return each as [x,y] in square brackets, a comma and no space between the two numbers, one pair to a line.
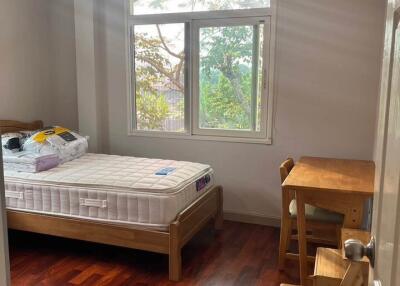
[67,144]
[30,162]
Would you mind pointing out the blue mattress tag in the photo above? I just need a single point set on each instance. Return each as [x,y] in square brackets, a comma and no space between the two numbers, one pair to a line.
[165,171]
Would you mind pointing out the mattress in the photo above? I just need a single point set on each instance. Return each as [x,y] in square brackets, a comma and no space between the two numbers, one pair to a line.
[139,192]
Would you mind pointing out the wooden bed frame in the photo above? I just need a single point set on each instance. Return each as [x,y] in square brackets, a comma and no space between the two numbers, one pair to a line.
[187,223]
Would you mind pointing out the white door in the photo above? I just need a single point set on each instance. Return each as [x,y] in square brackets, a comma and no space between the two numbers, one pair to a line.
[386,213]
[4,262]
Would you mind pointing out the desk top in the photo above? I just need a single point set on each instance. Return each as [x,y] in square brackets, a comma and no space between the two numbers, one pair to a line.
[326,174]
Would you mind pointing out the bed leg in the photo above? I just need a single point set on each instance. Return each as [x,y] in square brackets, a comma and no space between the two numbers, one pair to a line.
[175,258]
[219,217]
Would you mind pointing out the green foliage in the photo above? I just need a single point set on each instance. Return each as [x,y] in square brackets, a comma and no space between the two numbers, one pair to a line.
[152,109]
[219,106]
[226,48]
[225,77]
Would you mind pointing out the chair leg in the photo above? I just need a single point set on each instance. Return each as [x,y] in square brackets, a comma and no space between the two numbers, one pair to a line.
[286,230]
[284,242]
[290,231]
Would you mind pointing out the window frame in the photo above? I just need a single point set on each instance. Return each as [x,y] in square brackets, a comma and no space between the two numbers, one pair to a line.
[190,19]
[132,86]
[228,22]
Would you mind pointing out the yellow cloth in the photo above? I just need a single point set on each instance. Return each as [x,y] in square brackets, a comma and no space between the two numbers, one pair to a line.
[42,136]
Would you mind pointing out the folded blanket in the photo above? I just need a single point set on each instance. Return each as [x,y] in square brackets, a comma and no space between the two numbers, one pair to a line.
[30,162]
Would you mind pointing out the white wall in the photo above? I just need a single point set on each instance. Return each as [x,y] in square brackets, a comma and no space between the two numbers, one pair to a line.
[24,61]
[37,62]
[327,77]
[86,66]
[62,63]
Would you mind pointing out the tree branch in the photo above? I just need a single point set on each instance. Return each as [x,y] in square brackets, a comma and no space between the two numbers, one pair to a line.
[179,56]
[237,89]
[162,70]
[179,70]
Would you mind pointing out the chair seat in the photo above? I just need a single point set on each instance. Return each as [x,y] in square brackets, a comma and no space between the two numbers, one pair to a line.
[316,214]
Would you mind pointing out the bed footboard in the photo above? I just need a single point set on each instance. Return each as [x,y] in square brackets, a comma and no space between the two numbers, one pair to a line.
[189,222]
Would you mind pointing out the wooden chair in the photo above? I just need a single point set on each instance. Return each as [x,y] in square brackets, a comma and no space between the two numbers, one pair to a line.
[323,226]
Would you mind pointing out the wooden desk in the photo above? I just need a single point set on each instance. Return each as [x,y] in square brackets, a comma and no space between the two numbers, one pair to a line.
[338,185]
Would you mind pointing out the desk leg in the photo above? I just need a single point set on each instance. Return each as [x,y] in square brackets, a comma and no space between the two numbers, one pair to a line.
[301,229]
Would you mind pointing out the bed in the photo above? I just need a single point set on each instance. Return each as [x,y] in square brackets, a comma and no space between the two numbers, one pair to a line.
[116,200]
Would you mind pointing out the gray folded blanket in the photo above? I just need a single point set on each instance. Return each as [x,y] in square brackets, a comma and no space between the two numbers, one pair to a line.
[31,162]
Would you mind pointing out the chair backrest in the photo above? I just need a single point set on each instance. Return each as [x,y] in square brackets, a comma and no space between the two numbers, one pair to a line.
[285,168]
[288,195]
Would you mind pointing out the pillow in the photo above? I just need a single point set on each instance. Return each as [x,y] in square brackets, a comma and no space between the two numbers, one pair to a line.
[67,144]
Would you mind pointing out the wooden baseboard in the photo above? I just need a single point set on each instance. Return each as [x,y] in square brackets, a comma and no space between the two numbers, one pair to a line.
[252,218]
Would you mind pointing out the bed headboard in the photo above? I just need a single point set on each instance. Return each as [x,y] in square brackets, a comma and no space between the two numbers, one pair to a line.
[14,126]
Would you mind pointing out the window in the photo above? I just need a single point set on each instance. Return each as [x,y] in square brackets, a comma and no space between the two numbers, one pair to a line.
[143,7]
[159,77]
[203,75]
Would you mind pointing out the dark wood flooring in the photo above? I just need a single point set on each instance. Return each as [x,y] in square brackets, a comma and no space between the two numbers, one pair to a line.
[241,254]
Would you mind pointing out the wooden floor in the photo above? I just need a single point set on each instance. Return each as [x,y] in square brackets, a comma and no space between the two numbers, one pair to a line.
[242,254]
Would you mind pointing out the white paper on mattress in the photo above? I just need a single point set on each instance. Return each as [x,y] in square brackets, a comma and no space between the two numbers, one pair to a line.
[109,188]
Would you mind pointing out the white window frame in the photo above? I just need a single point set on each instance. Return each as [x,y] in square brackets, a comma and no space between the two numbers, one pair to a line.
[196,20]
[132,92]
[229,22]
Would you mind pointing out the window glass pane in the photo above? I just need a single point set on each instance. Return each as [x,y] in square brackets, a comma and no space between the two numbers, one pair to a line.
[230,77]
[140,7]
[159,61]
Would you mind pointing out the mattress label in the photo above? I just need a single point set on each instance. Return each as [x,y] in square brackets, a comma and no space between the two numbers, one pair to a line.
[14,195]
[202,182]
[93,203]
[165,171]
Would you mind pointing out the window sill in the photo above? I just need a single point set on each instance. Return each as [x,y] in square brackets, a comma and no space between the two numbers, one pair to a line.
[187,136]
